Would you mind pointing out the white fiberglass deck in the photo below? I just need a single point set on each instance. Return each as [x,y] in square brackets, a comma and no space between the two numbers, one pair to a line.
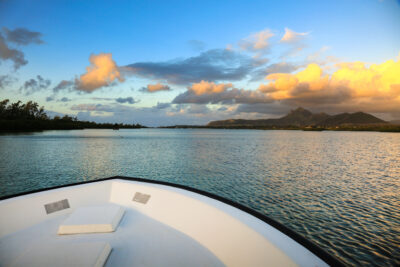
[174,228]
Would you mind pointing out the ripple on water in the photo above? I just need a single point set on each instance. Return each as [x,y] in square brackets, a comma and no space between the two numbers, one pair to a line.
[338,189]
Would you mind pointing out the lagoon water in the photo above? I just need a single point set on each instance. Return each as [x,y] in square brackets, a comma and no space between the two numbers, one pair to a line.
[339,189]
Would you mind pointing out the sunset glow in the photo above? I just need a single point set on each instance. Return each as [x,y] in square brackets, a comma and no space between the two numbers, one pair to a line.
[251,61]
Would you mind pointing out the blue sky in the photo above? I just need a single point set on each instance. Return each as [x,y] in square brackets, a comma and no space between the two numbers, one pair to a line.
[187,42]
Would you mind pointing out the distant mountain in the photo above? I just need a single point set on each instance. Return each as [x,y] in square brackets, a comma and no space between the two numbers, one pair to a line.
[301,117]
[396,122]
[351,119]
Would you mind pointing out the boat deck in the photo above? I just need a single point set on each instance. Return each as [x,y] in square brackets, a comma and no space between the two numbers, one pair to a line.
[162,226]
[138,241]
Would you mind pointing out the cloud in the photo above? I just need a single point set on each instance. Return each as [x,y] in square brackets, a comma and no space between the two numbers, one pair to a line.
[6,80]
[7,53]
[292,36]
[352,86]
[162,105]
[92,107]
[63,85]
[295,40]
[212,65]
[256,42]
[272,109]
[22,36]
[52,98]
[32,86]
[204,87]
[65,99]
[152,88]
[197,109]
[150,116]
[210,93]
[280,67]
[128,100]
[103,71]
[19,36]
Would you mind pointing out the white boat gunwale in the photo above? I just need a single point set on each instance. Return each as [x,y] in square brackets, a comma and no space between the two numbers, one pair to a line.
[315,249]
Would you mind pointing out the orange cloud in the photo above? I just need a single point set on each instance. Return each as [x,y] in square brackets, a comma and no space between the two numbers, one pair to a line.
[353,86]
[205,87]
[157,87]
[102,72]
[377,80]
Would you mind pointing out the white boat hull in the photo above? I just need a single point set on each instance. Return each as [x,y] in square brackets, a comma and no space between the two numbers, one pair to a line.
[163,226]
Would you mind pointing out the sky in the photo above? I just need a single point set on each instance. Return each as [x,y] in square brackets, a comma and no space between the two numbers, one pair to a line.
[162,63]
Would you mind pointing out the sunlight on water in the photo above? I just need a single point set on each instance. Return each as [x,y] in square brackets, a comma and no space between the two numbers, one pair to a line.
[339,189]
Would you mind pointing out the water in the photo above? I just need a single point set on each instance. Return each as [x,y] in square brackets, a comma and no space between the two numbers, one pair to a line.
[339,189]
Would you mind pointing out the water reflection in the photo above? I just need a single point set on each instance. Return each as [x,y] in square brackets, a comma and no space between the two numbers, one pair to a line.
[339,189]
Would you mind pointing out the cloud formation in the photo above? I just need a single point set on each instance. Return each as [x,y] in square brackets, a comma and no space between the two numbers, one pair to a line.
[272,109]
[258,41]
[351,86]
[292,36]
[63,85]
[211,93]
[22,36]
[93,107]
[103,71]
[32,86]
[212,65]
[52,98]
[280,67]
[152,88]
[5,80]
[162,105]
[129,100]
[295,41]
[204,87]
[7,53]
[19,36]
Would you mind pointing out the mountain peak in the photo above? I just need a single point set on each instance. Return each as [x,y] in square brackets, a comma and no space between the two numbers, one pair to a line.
[302,117]
[300,111]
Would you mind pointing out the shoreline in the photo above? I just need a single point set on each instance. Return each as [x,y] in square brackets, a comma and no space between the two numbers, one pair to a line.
[395,129]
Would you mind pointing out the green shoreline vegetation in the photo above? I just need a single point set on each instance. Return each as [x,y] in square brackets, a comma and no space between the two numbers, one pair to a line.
[30,117]
[19,117]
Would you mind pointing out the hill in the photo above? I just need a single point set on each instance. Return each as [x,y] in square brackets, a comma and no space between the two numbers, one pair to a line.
[301,117]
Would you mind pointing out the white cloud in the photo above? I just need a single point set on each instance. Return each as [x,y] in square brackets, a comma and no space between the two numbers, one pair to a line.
[292,36]
[258,41]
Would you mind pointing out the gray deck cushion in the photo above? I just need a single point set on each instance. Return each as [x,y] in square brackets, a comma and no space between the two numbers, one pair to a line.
[65,254]
[93,219]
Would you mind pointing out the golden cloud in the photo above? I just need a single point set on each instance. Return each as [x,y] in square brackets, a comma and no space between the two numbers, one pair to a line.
[157,87]
[205,87]
[357,79]
[102,72]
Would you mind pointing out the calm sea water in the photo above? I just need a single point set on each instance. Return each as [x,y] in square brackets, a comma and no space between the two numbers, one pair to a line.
[339,189]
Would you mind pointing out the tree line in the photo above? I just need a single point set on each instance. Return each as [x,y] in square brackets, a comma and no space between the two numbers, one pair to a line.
[30,116]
